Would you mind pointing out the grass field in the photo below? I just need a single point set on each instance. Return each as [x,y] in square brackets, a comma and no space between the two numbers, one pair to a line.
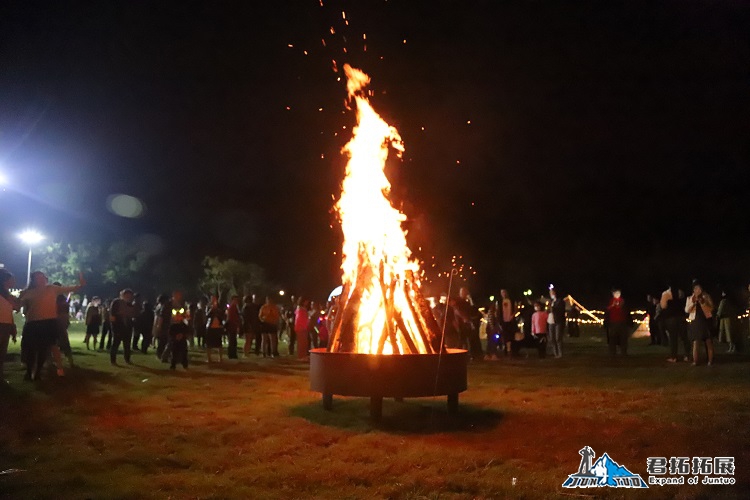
[252,429]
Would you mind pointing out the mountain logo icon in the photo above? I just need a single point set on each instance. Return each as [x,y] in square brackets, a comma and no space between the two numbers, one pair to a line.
[603,472]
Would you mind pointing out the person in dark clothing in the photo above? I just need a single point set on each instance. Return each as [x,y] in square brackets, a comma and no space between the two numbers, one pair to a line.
[290,319]
[727,316]
[619,323]
[162,318]
[653,326]
[215,318]
[137,332]
[106,327]
[93,321]
[573,313]
[233,326]
[494,329]
[527,312]
[178,331]
[199,323]
[674,322]
[122,313]
[469,318]
[190,306]
[251,310]
[556,322]
[445,315]
[145,322]
[62,346]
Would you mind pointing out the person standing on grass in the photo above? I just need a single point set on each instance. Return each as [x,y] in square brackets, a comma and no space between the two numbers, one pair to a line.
[137,331]
[106,327]
[653,325]
[178,331]
[727,314]
[251,311]
[190,306]
[507,315]
[215,328]
[301,320]
[233,326]
[699,308]
[618,322]
[539,327]
[8,304]
[121,315]
[62,346]
[312,324]
[494,332]
[145,321]
[93,321]
[199,322]
[269,316]
[469,319]
[40,330]
[556,322]
[674,321]
[288,318]
[162,316]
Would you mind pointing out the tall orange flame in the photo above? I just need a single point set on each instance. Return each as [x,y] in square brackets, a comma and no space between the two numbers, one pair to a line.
[376,257]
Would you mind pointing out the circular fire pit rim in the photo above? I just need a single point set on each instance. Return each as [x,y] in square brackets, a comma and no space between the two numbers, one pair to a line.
[378,376]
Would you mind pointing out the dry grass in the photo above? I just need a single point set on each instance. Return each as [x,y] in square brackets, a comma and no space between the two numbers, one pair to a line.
[252,429]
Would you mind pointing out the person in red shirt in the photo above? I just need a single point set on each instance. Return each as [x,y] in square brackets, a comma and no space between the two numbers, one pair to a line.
[618,323]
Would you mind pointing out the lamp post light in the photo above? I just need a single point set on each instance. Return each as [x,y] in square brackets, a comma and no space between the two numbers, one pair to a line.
[31,238]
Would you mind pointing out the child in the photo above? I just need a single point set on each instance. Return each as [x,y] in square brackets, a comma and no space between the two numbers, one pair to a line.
[539,326]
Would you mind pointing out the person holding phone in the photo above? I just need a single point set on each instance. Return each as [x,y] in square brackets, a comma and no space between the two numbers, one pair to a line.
[699,308]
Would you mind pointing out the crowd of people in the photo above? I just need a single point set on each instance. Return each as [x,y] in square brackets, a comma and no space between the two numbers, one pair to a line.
[172,326]
[674,318]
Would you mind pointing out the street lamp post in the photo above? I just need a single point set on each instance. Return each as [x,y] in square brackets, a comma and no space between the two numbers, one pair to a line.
[31,238]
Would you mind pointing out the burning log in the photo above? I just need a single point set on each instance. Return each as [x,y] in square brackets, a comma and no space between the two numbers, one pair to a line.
[405,335]
[346,333]
[433,329]
[336,329]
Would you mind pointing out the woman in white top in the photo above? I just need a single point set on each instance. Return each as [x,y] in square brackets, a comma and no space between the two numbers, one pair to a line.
[699,307]
[8,304]
[40,331]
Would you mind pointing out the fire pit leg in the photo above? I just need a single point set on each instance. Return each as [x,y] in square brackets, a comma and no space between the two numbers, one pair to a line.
[453,403]
[328,402]
[376,407]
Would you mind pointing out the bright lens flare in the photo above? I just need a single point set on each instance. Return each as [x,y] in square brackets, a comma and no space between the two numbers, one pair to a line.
[374,250]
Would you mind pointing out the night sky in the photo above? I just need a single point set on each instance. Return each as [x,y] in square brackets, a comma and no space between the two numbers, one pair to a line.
[588,144]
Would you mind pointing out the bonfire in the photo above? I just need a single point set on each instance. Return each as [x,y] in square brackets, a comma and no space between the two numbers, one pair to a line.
[381,309]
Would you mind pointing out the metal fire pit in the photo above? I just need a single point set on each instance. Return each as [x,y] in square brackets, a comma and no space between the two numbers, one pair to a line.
[378,376]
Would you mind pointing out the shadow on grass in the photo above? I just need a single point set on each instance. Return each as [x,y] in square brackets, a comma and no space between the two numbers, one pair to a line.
[227,369]
[409,417]
[77,380]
